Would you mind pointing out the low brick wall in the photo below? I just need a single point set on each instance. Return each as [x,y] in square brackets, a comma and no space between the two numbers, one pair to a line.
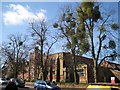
[29,83]
[71,86]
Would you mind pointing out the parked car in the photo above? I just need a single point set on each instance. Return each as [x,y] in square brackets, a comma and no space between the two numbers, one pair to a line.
[18,82]
[45,85]
[3,81]
[103,86]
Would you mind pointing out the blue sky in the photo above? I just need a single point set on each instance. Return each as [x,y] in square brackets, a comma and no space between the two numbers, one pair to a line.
[15,15]
[51,10]
[10,27]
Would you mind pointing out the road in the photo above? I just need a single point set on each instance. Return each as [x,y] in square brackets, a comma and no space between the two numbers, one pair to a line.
[61,89]
[31,88]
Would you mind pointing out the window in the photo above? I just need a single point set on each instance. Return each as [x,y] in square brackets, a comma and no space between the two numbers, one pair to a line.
[81,72]
[54,62]
[53,72]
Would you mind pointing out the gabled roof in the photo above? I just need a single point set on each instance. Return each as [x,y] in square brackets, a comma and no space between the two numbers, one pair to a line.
[110,65]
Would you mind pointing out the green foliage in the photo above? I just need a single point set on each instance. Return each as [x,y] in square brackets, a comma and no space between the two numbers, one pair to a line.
[36,48]
[68,46]
[74,40]
[81,26]
[70,14]
[80,18]
[89,12]
[72,24]
[68,19]
[85,47]
[102,29]
[70,32]
[79,10]
[114,26]
[74,28]
[96,15]
[80,29]
[113,55]
[105,47]
[55,25]
[81,35]
[20,43]
[112,44]
[86,5]
[33,34]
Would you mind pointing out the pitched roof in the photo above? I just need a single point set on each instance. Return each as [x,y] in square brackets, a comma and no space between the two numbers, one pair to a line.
[110,65]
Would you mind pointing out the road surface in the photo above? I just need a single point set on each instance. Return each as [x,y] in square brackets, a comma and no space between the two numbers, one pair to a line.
[61,89]
[2,87]
[27,88]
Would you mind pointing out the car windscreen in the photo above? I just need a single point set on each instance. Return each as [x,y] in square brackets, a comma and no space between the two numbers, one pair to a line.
[49,83]
[40,82]
[19,81]
[3,79]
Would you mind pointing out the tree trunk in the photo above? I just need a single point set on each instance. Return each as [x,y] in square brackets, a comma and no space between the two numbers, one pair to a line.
[42,60]
[45,73]
[75,71]
[95,70]
[58,70]
[51,74]
[23,67]
[16,66]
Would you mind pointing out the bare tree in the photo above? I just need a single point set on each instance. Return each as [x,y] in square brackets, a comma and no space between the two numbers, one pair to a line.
[41,35]
[15,50]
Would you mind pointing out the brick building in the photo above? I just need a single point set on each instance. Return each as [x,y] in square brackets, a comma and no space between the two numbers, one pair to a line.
[33,66]
[85,73]
[108,70]
[84,67]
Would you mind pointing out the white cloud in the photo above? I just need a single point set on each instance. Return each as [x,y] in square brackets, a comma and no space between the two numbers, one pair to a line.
[19,14]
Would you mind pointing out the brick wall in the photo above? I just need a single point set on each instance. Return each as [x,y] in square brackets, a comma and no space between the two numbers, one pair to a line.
[108,70]
[65,66]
